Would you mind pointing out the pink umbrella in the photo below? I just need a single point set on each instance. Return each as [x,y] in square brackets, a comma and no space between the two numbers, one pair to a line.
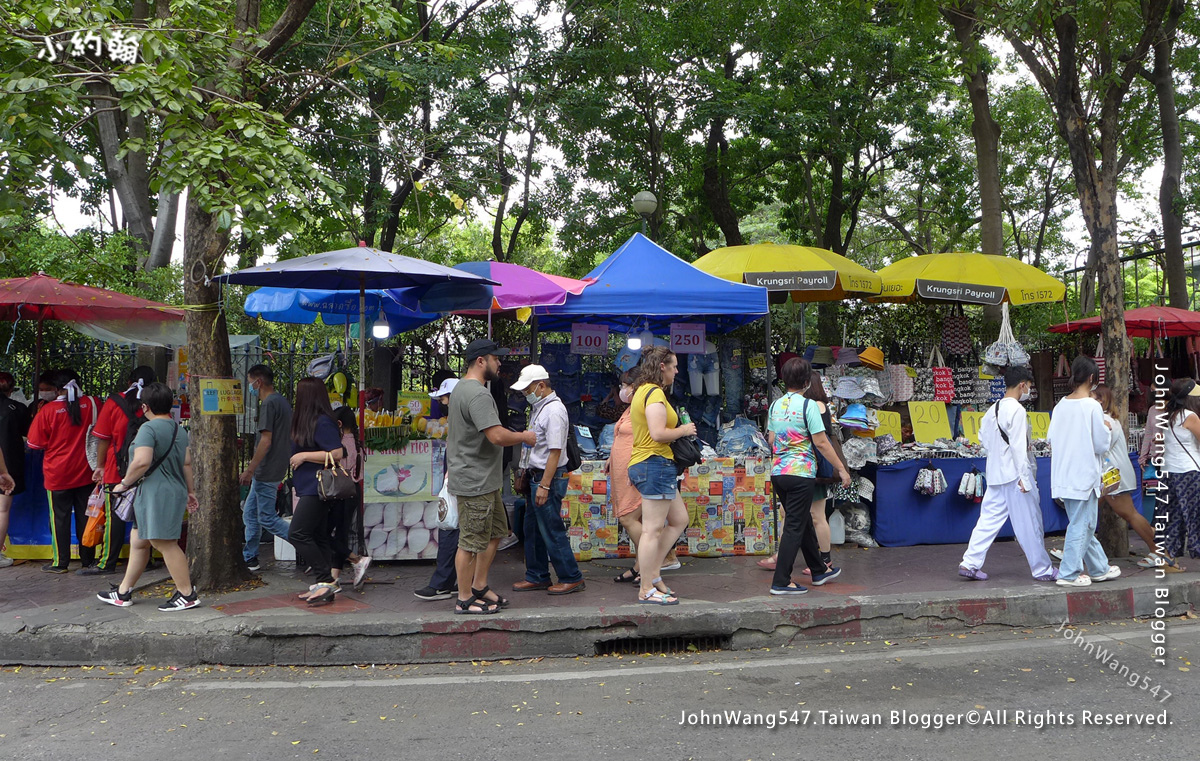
[519,288]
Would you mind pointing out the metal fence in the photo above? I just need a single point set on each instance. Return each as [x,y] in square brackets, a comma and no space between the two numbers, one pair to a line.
[102,367]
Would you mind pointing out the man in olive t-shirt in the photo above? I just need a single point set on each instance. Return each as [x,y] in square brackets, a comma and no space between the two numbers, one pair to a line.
[474,456]
[269,465]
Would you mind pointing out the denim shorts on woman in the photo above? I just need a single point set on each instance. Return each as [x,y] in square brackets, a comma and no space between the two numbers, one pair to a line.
[655,478]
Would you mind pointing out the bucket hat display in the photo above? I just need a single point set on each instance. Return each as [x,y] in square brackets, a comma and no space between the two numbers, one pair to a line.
[848,356]
[822,357]
[855,417]
[872,357]
[849,388]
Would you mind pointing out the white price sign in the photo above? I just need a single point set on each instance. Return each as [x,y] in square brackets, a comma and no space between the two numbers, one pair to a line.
[687,337]
[589,339]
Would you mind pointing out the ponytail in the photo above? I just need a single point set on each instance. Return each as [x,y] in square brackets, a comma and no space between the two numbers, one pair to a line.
[67,381]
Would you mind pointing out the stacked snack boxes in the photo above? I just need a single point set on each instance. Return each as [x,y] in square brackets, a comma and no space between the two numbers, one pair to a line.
[728,503]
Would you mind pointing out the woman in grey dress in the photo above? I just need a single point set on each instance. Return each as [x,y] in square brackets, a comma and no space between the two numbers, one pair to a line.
[162,462]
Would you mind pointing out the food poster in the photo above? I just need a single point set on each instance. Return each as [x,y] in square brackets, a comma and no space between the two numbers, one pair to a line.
[400,509]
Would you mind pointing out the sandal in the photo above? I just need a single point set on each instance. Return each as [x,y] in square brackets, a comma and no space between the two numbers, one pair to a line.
[629,577]
[485,607]
[1155,560]
[313,588]
[664,588]
[481,594]
[657,598]
[325,594]
[767,563]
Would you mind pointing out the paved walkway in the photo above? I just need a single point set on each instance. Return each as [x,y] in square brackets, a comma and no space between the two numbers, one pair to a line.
[56,619]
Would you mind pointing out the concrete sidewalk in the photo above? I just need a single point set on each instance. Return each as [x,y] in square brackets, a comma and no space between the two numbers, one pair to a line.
[890,592]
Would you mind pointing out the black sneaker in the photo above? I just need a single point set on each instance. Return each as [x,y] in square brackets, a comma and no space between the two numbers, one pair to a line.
[429,593]
[95,570]
[180,601]
[51,568]
[253,564]
[114,597]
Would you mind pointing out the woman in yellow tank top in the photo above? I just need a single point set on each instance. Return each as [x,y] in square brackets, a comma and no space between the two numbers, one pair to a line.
[652,468]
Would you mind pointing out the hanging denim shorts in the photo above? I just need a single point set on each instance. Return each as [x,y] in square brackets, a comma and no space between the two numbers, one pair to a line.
[655,478]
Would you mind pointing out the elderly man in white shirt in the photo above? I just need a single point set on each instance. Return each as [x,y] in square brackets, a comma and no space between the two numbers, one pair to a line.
[546,539]
[1012,492]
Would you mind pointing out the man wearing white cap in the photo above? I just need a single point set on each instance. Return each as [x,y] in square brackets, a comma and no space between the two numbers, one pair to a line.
[546,539]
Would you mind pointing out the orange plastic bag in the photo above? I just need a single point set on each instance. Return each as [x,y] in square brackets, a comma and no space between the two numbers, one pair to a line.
[93,532]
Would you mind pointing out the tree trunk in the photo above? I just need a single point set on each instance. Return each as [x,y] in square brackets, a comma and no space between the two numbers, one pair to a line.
[716,184]
[1169,200]
[831,239]
[215,532]
[163,242]
[984,129]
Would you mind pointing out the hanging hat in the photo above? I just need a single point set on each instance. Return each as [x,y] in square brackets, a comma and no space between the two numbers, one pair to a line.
[872,357]
[782,360]
[848,388]
[847,356]
[870,387]
[822,357]
[855,417]
[809,352]
[858,452]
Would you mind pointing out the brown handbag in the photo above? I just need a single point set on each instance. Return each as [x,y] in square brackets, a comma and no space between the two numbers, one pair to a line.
[334,482]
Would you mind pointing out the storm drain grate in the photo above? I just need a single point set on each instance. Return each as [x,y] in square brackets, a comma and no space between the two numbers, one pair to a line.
[641,645]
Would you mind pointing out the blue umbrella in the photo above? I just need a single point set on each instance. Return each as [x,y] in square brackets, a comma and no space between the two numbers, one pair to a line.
[303,306]
[351,269]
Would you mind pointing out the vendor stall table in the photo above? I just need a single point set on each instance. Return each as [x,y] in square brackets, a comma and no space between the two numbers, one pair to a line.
[902,517]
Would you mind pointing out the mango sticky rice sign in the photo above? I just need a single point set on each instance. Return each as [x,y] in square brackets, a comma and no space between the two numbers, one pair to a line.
[221,396]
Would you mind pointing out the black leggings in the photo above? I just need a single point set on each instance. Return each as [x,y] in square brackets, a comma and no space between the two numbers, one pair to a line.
[64,504]
[799,535]
[310,536]
[337,527]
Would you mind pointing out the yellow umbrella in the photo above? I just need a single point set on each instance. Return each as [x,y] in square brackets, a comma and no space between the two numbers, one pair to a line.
[968,278]
[810,274]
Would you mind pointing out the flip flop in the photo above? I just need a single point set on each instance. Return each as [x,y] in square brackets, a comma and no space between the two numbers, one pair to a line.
[658,598]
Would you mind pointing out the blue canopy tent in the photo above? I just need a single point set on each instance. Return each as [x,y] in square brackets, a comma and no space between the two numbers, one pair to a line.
[642,283]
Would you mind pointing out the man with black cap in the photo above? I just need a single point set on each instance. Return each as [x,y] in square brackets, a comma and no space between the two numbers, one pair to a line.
[474,456]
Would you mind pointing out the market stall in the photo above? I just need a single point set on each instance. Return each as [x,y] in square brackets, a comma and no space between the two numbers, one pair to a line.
[646,295]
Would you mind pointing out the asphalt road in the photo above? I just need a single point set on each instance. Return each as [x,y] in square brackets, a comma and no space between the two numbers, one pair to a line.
[962,697]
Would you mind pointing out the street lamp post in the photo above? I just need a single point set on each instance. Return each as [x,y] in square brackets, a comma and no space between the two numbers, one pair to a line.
[645,204]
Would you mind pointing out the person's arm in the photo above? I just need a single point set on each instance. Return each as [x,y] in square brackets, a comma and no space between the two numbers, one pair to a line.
[260,452]
[1152,428]
[557,431]
[1100,431]
[1192,424]
[825,446]
[193,504]
[656,421]
[502,437]
[139,463]
[1016,425]
[329,444]
[6,480]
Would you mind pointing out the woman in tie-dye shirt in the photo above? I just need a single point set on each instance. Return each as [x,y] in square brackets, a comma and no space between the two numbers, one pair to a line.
[794,427]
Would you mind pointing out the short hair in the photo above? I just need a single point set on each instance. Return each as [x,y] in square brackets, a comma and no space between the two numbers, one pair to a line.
[144,373]
[159,398]
[7,383]
[796,374]
[1016,375]
[263,372]
[1084,369]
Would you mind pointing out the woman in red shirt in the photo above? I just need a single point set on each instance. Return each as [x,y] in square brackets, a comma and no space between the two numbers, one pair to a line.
[60,430]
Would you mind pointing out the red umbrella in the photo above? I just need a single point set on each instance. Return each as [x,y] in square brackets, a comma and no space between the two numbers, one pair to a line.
[41,297]
[1143,322]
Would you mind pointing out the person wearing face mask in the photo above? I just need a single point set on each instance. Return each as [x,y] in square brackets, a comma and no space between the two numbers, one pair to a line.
[268,465]
[1012,492]
[46,393]
[60,430]
[546,539]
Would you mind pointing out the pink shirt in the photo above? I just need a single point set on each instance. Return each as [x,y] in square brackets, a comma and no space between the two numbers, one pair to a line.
[625,498]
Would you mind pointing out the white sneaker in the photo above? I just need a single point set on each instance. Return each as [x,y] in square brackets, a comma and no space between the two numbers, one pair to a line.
[5,561]
[1113,572]
[360,569]
[1056,554]
[1081,580]
[506,542]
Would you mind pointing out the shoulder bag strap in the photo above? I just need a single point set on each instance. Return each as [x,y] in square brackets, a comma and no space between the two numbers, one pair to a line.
[159,461]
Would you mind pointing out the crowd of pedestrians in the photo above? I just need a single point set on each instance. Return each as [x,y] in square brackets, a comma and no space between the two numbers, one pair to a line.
[130,455]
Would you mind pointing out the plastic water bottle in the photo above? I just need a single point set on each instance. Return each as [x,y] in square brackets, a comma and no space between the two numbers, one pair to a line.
[684,417]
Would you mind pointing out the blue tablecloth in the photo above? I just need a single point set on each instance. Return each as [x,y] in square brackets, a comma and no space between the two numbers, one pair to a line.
[901,517]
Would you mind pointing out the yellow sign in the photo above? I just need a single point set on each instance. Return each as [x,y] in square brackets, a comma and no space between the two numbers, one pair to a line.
[414,402]
[985,376]
[889,422]
[221,396]
[1039,424]
[970,423]
[929,421]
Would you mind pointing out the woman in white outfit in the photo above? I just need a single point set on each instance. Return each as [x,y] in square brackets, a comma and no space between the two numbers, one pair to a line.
[1079,437]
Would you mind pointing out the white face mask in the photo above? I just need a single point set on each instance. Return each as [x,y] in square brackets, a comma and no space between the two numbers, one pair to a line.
[532,397]
[626,395]
[1026,394]
[47,396]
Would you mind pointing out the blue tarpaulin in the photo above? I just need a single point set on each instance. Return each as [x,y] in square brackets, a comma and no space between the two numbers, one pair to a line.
[303,306]
[643,283]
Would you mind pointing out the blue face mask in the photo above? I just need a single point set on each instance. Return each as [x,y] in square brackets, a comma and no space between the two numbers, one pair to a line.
[253,390]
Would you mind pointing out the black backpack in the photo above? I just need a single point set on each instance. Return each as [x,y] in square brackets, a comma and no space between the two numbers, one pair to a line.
[135,421]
